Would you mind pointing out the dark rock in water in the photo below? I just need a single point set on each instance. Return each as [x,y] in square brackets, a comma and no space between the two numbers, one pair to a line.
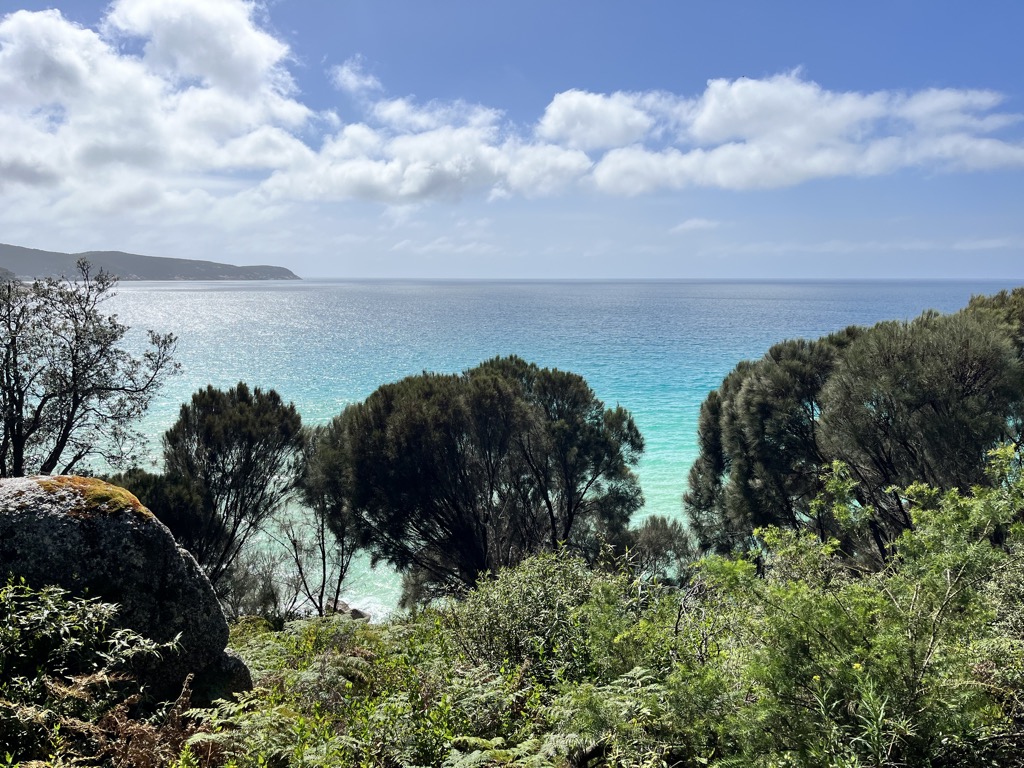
[95,539]
[341,607]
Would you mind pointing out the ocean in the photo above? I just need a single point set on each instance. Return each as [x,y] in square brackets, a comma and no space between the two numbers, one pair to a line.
[654,347]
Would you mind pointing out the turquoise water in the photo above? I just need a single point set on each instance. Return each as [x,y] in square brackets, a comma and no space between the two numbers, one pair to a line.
[656,348]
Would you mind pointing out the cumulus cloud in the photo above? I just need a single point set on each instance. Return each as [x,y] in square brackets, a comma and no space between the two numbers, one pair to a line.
[209,92]
[190,105]
[352,77]
[784,130]
[214,43]
[593,120]
[940,110]
[405,116]
[785,109]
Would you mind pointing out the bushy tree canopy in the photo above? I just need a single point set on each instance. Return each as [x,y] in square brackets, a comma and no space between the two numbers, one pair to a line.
[896,402]
[760,458]
[237,450]
[448,477]
[923,400]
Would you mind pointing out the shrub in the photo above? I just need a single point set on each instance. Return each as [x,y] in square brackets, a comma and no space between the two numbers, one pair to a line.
[66,685]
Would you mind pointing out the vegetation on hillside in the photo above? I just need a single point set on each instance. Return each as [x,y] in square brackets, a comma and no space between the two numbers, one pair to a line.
[857,599]
[67,693]
[792,655]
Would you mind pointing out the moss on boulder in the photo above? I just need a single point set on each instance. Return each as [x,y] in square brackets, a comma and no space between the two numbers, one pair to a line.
[89,496]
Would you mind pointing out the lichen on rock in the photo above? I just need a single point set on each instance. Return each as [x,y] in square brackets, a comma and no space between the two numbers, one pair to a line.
[92,496]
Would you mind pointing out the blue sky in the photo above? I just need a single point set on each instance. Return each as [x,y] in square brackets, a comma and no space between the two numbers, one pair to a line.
[558,139]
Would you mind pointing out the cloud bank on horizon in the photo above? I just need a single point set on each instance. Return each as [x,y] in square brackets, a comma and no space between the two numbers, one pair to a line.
[188,112]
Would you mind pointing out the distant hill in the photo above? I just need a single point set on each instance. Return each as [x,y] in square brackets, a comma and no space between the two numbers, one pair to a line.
[32,263]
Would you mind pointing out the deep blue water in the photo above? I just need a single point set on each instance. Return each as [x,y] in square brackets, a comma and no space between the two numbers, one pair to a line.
[656,348]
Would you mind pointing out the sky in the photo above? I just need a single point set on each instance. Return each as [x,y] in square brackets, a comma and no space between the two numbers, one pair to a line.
[485,139]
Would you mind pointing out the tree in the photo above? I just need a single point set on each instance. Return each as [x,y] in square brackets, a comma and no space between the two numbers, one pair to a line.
[920,401]
[658,550]
[239,451]
[179,504]
[578,458]
[895,402]
[321,541]
[760,460]
[69,390]
[448,477]
[1006,307]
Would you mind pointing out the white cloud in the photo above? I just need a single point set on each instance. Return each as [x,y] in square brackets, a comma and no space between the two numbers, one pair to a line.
[782,131]
[190,107]
[940,110]
[92,128]
[587,121]
[695,225]
[531,169]
[351,77]
[405,116]
[265,147]
[216,43]
[784,109]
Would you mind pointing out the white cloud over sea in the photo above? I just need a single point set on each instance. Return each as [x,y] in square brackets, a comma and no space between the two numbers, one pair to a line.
[188,112]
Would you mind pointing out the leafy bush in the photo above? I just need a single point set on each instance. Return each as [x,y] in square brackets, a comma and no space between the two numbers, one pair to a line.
[849,667]
[66,685]
[529,617]
[791,655]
